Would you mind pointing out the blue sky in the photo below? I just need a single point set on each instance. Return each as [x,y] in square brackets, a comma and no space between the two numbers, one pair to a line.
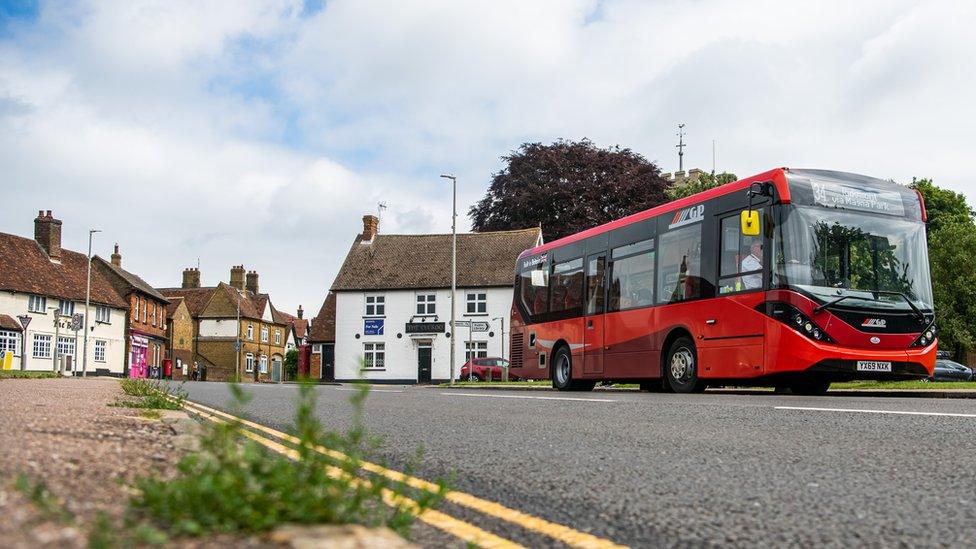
[260,131]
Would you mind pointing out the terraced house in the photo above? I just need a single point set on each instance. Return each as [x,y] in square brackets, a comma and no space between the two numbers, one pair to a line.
[42,289]
[236,332]
[145,323]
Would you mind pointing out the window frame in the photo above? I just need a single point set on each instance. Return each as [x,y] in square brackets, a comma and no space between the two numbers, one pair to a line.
[45,341]
[660,272]
[277,337]
[476,302]
[249,363]
[263,364]
[105,318]
[374,355]
[250,332]
[102,345]
[10,338]
[739,275]
[425,304]
[37,303]
[577,309]
[628,252]
[68,343]
[479,348]
[265,334]
[378,304]
[65,304]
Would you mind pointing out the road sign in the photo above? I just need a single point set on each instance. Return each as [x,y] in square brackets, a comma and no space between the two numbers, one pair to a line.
[237,345]
[462,323]
[24,321]
[479,326]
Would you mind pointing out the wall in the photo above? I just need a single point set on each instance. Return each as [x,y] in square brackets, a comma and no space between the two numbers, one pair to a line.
[218,327]
[401,352]
[15,304]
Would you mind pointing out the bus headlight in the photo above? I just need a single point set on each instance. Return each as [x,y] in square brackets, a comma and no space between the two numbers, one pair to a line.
[927,336]
[792,317]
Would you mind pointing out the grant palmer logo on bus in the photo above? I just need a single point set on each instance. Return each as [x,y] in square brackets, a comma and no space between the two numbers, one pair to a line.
[687,216]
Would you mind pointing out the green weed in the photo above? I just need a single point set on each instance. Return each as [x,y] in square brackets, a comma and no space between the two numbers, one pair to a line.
[153,394]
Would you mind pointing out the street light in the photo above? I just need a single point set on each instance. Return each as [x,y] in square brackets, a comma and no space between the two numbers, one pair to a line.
[84,345]
[504,368]
[453,266]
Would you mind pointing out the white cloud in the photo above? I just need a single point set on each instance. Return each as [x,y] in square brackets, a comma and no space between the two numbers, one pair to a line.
[247,132]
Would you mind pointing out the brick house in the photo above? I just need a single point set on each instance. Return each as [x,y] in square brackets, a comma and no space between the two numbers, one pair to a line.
[145,323]
[180,335]
[393,302]
[44,284]
[226,314]
[321,338]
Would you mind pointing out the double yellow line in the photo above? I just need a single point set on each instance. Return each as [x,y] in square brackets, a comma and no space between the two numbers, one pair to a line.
[458,528]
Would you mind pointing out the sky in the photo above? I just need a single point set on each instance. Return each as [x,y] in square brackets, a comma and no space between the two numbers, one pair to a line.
[260,132]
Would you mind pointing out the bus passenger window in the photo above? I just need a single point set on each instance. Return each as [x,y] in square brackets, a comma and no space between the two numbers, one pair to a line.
[567,286]
[594,284]
[680,270]
[632,276]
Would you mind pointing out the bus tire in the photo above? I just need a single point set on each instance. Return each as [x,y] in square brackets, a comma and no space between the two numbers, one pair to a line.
[562,373]
[681,367]
[809,387]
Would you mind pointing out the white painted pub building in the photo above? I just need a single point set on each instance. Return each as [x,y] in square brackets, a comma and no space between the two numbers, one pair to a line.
[42,288]
[393,302]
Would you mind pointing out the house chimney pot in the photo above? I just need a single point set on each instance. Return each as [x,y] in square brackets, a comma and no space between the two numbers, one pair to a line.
[301,312]
[191,278]
[252,282]
[117,257]
[47,233]
[237,277]
[371,226]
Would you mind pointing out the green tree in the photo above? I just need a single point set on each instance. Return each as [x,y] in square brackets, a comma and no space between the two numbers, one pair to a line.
[942,206]
[566,187]
[291,364]
[952,247]
[704,182]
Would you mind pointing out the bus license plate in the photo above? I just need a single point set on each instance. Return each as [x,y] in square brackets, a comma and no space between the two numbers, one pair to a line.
[872,366]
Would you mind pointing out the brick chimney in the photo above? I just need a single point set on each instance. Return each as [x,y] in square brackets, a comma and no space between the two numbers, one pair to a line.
[371,226]
[301,312]
[252,282]
[191,277]
[117,257]
[237,277]
[47,233]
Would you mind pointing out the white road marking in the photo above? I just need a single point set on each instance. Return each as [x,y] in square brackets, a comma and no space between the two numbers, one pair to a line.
[899,412]
[530,397]
[371,390]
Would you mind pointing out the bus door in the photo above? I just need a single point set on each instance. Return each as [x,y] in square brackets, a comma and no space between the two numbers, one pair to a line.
[593,328]
[733,330]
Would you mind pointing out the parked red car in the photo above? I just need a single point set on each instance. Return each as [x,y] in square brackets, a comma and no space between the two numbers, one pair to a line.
[485,368]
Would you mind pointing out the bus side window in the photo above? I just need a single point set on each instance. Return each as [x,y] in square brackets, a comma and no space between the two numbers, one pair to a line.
[741,259]
[679,275]
[595,266]
[567,286]
[534,286]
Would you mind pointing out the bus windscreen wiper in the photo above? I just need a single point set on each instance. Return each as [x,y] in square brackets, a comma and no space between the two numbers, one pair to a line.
[831,303]
[918,312]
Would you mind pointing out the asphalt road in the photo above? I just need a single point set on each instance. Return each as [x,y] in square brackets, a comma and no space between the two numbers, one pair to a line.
[650,470]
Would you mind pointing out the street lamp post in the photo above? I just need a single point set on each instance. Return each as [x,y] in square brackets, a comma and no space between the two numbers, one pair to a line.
[453,267]
[504,367]
[84,345]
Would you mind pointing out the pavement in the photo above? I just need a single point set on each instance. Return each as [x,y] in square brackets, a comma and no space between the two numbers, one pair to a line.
[655,470]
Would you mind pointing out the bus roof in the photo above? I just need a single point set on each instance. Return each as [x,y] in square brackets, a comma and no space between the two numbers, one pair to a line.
[777,176]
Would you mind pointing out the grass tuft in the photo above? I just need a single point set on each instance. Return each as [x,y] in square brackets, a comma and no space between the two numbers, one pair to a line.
[152,394]
[25,374]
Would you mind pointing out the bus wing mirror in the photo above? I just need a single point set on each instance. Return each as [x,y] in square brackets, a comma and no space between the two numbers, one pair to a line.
[750,222]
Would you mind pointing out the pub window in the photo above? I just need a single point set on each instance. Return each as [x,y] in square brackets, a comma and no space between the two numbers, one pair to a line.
[9,342]
[632,276]
[679,274]
[534,288]
[36,303]
[741,260]
[42,346]
[595,267]
[567,286]
[426,304]
[67,307]
[100,346]
[477,302]
[374,355]
[375,305]
[475,349]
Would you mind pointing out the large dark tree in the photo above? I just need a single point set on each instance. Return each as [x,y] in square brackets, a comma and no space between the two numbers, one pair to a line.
[566,187]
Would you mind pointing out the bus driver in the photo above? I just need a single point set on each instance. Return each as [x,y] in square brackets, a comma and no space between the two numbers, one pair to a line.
[753,262]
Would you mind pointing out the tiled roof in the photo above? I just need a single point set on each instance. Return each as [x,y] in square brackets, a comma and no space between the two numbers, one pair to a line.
[131,279]
[300,324]
[27,268]
[323,325]
[391,262]
[8,323]
[174,303]
[196,298]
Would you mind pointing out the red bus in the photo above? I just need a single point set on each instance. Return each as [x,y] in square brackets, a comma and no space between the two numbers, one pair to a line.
[790,278]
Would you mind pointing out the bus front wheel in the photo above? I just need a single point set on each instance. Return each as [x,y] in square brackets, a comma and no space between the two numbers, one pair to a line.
[562,373]
[681,367]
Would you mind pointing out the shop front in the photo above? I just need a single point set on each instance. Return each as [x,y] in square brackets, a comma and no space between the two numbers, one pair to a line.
[139,357]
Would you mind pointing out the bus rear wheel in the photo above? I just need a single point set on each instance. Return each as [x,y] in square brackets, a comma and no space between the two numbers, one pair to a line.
[681,367]
[562,373]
